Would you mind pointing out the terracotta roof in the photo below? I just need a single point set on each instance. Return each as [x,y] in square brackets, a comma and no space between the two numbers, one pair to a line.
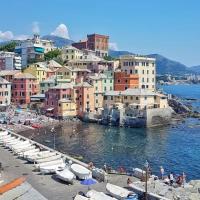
[4,81]
[8,72]
[24,76]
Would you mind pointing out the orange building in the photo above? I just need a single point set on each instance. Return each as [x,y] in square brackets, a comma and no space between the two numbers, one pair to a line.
[123,81]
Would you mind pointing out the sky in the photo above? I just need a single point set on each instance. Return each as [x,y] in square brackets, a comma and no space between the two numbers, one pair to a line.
[168,27]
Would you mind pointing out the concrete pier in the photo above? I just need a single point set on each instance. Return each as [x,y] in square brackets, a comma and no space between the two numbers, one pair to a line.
[50,187]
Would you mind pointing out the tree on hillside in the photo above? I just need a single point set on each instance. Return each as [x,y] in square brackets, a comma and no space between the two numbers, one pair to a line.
[8,47]
[109,58]
[52,54]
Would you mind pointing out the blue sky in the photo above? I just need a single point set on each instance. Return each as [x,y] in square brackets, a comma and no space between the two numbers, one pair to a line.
[168,27]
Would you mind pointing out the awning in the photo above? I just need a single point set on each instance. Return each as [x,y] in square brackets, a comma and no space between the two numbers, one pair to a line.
[50,109]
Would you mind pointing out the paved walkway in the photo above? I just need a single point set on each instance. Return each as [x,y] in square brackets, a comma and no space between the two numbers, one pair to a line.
[47,185]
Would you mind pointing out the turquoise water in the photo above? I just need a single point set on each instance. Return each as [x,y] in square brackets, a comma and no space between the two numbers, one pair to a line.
[176,147]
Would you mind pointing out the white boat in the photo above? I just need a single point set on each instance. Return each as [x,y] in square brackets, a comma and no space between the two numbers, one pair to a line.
[20,144]
[3,133]
[41,155]
[20,148]
[5,138]
[29,152]
[94,195]
[139,173]
[48,159]
[66,175]
[54,162]
[27,148]
[79,197]
[10,143]
[119,192]
[80,171]
[50,169]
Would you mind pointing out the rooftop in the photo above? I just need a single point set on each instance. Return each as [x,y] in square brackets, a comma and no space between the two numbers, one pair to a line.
[137,57]
[21,75]
[63,86]
[83,84]
[8,72]
[132,92]
[3,81]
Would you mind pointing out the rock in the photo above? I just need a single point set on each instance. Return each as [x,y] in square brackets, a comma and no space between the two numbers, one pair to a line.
[194,196]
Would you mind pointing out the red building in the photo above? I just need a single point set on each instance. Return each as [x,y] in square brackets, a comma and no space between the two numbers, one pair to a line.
[24,85]
[80,45]
[123,81]
[56,93]
[95,42]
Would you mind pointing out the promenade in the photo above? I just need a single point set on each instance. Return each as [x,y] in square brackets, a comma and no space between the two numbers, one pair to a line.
[48,185]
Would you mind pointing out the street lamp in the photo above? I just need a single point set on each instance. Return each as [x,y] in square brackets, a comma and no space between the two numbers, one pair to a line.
[146,165]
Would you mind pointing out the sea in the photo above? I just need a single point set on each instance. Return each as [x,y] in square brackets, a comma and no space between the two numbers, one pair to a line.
[176,147]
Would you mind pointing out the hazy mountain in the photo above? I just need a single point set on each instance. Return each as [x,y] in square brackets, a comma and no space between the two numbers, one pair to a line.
[164,65]
[58,41]
[195,69]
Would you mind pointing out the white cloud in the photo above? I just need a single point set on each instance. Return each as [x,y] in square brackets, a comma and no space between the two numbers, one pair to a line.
[113,46]
[61,31]
[7,35]
[35,27]
[22,37]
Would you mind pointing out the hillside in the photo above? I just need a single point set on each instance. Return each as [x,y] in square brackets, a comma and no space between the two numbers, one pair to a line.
[58,41]
[195,69]
[164,65]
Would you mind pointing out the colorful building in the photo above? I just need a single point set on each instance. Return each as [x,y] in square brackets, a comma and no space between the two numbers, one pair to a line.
[38,70]
[32,50]
[55,94]
[84,98]
[74,75]
[66,108]
[123,81]
[24,85]
[71,53]
[5,92]
[140,98]
[95,42]
[8,74]
[142,66]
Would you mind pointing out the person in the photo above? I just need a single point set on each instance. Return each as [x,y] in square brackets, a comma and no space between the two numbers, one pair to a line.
[162,171]
[171,178]
[105,167]
[129,181]
[183,179]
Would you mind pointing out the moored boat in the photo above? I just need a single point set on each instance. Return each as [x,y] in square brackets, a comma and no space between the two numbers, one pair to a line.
[120,193]
[80,171]
[66,175]
[54,162]
[80,197]
[48,159]
[51,169]
[95,195]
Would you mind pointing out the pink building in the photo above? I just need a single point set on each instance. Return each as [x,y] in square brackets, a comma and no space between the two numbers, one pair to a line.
[54,94]
[24,85]
[84,98]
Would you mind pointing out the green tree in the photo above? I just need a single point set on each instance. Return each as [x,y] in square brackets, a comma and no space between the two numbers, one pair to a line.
[52,54]
[8,47]
[109,58]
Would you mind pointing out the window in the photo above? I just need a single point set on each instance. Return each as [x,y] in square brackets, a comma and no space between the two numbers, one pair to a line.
[104,88]
[145,98]
[22,86]
[142,79]
[137,98]
[126,81]
[96,100]
[111,81]
[105,81]
[142,71]
[118,81]
[152,71]
[147,80]
[111,88]
[147,71]
[96,88]
[88,96]
[111,97]
[105,97]
[131,71]
[152,79]
[136,71]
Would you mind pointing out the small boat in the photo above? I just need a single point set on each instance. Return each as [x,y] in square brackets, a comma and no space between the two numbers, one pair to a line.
[48,159]
[3,133]
[29,152]
[120,193]
[80,171]
[19,148]
[54,162]
[66,175]
[51,169]
[41,155]
[94,195]
[80,197]
[138,173]
[24,149]
[20,144]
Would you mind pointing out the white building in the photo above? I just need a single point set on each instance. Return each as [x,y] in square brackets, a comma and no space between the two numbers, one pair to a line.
[71,53]
[144,66]
[9,61]
[32,50]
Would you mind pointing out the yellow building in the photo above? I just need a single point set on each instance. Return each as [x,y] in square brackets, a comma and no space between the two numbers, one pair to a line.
[38,70]
[71,53]
[143,66]
[139,98]
[66,108]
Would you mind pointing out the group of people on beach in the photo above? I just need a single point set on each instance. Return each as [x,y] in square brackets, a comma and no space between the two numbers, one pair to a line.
[171,178]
